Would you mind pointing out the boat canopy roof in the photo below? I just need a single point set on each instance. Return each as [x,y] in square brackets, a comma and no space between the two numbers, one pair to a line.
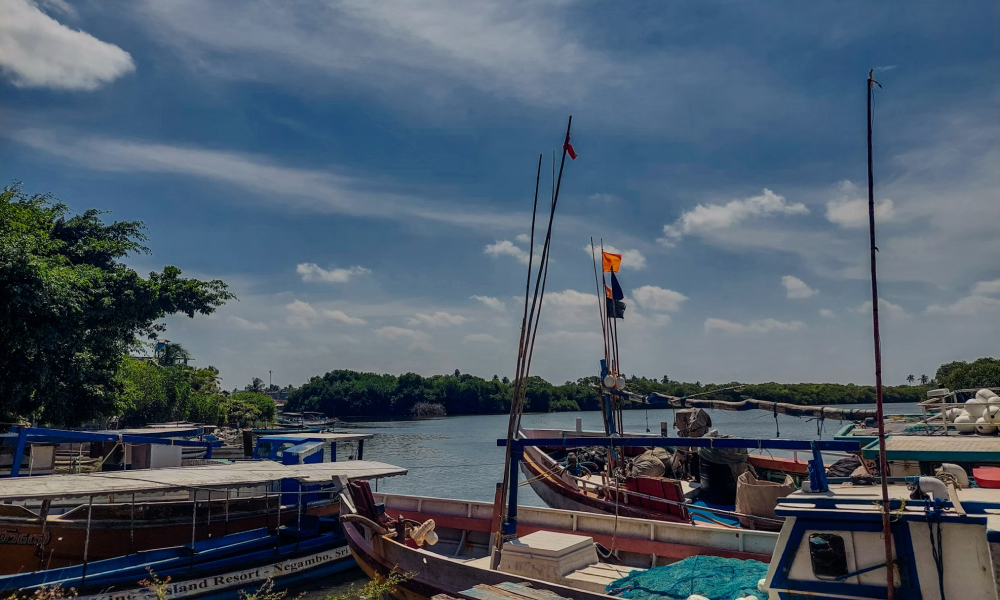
[325,437]
[238,474]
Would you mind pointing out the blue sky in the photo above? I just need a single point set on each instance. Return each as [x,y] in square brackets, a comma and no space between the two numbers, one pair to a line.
[361,174]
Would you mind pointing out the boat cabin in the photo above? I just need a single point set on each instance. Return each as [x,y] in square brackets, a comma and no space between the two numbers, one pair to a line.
[305,448]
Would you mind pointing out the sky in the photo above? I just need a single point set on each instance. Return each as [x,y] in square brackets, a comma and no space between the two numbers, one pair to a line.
[362,174]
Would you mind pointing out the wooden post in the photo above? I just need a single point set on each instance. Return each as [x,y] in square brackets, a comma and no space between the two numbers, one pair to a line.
[86,541]
[883,463]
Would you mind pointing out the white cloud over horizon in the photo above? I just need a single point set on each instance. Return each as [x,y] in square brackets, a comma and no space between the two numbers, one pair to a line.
[491,302]
[979,301]
[797,289]
[709,217]
[631,259]
[36,51]
[312,273]
[849,209]
[756,326]
[894,311]
[437,319]
[656,298]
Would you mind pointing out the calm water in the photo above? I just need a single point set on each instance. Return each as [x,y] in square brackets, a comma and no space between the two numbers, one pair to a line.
[457,457]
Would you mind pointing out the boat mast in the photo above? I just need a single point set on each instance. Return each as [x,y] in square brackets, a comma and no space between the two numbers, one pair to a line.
[883,465]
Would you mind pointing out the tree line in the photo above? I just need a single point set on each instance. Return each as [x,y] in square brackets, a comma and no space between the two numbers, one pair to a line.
[353,393]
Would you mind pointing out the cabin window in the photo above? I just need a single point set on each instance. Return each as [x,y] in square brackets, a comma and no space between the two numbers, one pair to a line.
[828,555]
[263,450]
[282,448]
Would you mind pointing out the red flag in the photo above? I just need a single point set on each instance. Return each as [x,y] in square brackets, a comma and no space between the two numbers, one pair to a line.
[568,147]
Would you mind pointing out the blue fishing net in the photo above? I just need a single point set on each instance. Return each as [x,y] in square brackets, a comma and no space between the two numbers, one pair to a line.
[714,577]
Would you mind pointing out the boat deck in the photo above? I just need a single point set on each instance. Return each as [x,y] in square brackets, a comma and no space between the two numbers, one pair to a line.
[952,448]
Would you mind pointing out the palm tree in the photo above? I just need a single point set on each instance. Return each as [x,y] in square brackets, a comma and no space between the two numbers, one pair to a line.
[924,379]
[910,379]
[171,354]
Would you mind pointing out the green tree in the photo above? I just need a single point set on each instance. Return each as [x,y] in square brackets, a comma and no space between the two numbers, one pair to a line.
[256,386]
[70,308]
[910,379]
[984,372]
[924,379]
[171,354]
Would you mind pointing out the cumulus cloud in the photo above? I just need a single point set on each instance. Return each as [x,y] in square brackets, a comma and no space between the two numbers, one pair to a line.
[978,302]
[894,311]
[758,326]
[657,298]
[242,323]
[484,338]
[339,315]
[300,313]
[491,302]
[438,319]
[631,259]
[709,217]
[418,339]
[38,51]
[826,313]
[507,248]
[571,338]
[796,288]
[986,288]
[313,273]
[524,238]
[850,209]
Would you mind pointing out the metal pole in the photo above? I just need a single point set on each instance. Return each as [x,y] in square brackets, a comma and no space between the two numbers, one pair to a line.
[883,463]
[86,541]
[194,520]
[227,512]
[209,518]
[298,537]
[22,439]
[131,527]
[510,525]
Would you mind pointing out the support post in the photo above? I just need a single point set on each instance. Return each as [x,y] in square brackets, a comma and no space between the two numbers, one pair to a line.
[194,521]
[817,471]
[86,540]
[361,449]
[298,525]
[510,525]
[22,439]
[131,526]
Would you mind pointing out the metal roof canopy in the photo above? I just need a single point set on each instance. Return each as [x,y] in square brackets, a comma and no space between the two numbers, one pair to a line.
[325,437]
[238,474]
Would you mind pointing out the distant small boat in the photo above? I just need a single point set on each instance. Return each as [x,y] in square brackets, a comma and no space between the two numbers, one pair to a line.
[306,419]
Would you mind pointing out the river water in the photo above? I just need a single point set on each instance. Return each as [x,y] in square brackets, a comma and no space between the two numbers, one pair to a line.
[458,457]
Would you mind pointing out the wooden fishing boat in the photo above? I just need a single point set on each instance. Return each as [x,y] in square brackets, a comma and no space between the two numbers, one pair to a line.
[829,547]
[272,521]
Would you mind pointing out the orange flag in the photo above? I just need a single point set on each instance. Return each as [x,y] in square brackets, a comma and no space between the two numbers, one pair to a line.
[612,262]
[608,292]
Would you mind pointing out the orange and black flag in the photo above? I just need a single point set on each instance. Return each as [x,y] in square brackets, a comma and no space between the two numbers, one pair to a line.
[614,306]
[612,262]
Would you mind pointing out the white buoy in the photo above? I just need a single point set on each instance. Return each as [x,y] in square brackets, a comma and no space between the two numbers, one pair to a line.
[975,407]
[992,414]
[620,383]
[987,396]
[984,427]
[609,381]
[964,423]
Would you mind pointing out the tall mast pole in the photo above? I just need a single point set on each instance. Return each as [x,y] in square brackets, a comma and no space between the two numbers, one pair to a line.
[883,464]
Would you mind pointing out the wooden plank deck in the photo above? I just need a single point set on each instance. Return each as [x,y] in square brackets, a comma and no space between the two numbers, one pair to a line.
[952,448]
[503,591]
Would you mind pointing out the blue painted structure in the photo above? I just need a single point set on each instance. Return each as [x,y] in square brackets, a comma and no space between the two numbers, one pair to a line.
[20,437]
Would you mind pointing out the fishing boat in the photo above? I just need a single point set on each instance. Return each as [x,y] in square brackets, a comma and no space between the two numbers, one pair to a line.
[211,529]
[52,531]
[946,542]
[306,420]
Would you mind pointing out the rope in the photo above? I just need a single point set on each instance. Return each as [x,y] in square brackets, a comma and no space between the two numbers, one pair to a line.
[937,550]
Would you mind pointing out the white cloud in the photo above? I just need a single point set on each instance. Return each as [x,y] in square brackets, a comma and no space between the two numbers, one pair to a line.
[300,313]
[507,248]
[758,326]
[978,302]
[38,51]
[339,315]
[524,238]
[708,217]
[247,324]
[849,209]
[986,288]
[894,311]
[603,197]
[315,190]
[418,339]
[491,302]
[482,338]
[969,305]
[657,298]
[438,319]
[572,338]
[313,273]
[796,288]
[826,313]
[631,259]
[571,308]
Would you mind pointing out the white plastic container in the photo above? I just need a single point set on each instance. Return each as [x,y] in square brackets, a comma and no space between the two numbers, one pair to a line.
[984,427]
[964,423]
[975,407]
[988,396]
[992,414]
